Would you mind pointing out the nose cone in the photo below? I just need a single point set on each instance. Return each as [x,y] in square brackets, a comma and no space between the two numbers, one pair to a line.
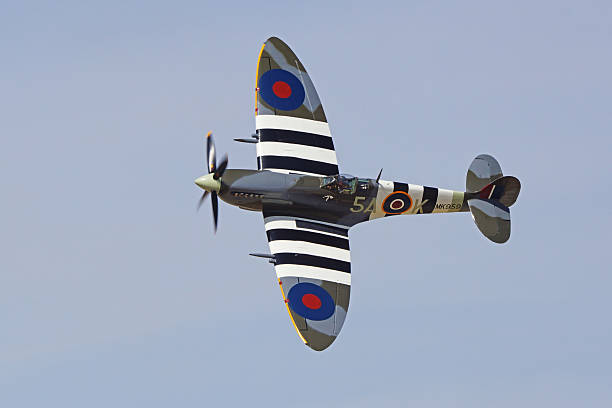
[208,183]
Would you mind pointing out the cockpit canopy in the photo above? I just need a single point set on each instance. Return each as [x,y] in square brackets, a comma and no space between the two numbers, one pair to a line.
[342,183]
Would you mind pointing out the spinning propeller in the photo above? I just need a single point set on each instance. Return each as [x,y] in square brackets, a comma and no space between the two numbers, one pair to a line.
[211,182]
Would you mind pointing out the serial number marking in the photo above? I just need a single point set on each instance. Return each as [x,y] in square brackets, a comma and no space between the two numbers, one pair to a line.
[455,206]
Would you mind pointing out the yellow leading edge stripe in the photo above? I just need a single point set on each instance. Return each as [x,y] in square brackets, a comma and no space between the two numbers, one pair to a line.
[289,311]
[280,284]
[257,78]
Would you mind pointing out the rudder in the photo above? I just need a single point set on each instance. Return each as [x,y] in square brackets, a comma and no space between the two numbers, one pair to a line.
[489,195]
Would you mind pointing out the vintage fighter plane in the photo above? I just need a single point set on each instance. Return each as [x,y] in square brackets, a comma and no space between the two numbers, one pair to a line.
[309,206]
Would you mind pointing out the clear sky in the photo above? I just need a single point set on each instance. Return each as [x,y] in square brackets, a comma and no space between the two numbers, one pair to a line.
[115,292]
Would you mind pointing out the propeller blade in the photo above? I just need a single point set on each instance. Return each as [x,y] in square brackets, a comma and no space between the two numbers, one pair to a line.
[215,206]
[221,168]
[210,153]
[202,200]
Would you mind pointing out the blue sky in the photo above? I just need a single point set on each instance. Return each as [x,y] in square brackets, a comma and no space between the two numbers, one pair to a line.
[113,291]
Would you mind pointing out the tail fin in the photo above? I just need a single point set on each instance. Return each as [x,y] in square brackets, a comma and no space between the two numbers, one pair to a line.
[483,170]
[489,196]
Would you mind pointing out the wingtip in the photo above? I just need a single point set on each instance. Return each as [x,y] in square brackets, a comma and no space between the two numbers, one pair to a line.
[320,345]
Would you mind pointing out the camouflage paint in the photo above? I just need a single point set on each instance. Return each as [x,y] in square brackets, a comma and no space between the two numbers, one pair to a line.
[307,215]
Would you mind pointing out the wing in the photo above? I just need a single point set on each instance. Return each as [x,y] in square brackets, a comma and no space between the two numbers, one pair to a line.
[312,263]
[293,132]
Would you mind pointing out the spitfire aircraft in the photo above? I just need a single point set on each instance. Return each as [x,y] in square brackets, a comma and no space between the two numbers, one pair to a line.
[309,206]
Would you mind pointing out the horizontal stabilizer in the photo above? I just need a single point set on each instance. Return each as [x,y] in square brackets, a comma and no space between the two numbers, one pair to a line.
[492,219]
[483,170]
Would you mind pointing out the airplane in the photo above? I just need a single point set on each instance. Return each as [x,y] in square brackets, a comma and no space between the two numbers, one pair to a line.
[309,206]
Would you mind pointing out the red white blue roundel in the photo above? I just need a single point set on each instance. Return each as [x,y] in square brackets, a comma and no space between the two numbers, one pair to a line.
[281,90]
[311,301]
[397,202]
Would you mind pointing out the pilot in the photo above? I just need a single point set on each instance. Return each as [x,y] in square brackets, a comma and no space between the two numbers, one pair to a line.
[346,184]
[343,184]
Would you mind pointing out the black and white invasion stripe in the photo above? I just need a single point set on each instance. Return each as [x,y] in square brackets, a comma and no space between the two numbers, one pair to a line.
[309,248]
[430,198]
[397,186]
[295,145]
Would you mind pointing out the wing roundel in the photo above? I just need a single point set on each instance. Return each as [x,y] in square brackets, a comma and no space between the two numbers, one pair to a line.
[312,263]
[294,136]
[284,87]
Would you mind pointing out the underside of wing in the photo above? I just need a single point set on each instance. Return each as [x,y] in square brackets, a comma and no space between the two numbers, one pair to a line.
[312,263]
[294,136]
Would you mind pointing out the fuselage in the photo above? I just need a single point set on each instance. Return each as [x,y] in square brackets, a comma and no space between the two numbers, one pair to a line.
[339,199]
